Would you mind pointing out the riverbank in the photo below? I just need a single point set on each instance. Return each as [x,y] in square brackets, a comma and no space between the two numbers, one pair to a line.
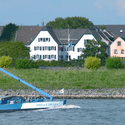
[117,93]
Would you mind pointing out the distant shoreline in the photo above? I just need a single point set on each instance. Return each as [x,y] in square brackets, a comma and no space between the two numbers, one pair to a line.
[112,93]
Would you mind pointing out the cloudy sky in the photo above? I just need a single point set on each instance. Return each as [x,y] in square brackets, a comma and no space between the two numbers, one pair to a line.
[31,12]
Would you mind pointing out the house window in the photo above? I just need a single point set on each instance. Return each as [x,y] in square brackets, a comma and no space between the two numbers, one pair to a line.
[37,48]
[43,48]
[73,48]
[49,39]
[61,56]
[85,41]
[46,47]
[122,51]
[38,39]
[52,56]
[49,56]
[119,43]
[55,56]
[80,49]
[115,51]
[52,48]
[37,56]
[78,57]
[43,57]
[46,56]
[41,39]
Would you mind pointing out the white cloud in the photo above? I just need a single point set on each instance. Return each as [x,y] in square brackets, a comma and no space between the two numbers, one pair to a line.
[121,7]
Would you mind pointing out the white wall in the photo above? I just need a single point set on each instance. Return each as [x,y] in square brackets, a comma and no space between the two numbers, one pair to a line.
[74,54]
[43,34]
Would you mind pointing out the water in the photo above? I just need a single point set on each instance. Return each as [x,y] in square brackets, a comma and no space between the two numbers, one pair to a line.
[76,112]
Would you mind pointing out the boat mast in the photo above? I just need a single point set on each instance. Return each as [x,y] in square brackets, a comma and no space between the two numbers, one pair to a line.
[31,86]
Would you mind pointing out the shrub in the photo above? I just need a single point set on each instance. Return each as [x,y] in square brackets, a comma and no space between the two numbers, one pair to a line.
[81,62]
[92,62]
[25,63]
[114,62]
[53,63]
[5,61]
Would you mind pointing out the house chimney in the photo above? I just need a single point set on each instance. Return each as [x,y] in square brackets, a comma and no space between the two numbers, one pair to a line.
[42,24]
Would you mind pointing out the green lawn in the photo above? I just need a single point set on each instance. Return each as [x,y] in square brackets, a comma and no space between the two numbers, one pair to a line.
[68,79]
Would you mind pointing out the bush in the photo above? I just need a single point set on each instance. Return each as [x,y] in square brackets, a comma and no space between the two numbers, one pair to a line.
[25,63]
[92,63]
[5,61]
[114,62]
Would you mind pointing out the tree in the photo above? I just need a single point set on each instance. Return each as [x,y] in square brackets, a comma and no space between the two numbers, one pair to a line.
[95,48]
[74,23]
[14,50]
[8,32]
[102,27]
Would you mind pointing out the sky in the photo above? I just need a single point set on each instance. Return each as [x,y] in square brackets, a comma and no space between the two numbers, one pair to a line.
[31,12]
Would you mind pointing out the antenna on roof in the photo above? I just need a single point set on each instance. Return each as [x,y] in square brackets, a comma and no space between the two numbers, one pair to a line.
[42,24]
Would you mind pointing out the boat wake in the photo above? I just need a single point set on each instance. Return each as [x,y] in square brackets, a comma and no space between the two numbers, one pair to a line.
[61,107]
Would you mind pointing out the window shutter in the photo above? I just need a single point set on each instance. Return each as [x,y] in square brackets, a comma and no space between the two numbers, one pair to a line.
[55,56]
[43,47]
[43,57]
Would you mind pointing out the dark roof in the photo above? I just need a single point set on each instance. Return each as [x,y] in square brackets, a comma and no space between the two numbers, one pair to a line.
[123,38]
[75,35]
[52,33]
[27,34]
[115,29]
[95,34]
[104,36]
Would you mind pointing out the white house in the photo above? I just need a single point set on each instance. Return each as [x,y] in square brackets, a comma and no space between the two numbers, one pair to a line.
[49,44]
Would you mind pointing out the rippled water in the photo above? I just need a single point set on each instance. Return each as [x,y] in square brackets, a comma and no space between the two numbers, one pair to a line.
[91,112]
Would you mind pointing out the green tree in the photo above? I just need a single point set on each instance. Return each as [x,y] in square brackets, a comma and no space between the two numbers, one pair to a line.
[14,50]
[8,32]
[95,48]
[102,27]
[74,23]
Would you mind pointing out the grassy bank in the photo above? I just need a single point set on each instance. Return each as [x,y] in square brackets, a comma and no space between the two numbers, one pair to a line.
[68,79]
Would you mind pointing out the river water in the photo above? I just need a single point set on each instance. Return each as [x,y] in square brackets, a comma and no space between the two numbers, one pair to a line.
[75,112]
